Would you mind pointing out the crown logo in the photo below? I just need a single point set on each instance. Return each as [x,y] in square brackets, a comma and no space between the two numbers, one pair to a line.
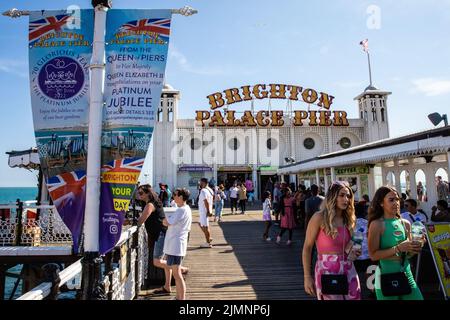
[59,75]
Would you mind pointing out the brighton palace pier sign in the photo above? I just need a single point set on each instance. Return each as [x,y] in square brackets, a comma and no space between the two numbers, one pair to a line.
[264,118]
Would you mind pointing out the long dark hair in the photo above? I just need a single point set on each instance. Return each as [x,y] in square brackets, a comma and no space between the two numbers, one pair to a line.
[376,210]
[152,196]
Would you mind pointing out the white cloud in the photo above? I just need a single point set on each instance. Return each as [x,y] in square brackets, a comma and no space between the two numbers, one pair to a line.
[431,86]
[16,67]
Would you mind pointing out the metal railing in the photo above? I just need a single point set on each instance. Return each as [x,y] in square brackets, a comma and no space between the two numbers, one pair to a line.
[32,225]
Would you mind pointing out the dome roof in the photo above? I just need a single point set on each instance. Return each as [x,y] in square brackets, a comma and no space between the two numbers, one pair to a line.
[167,87]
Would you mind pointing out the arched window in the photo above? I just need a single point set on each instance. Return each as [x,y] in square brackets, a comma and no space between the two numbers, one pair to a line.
[421,185]
[382,114]
[374,114]
[362,114]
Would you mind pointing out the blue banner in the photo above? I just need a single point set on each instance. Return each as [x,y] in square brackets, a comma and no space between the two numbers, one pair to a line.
[136,55]
[60,49]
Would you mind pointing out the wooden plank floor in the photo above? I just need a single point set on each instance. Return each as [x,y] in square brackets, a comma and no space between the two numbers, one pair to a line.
[241,265]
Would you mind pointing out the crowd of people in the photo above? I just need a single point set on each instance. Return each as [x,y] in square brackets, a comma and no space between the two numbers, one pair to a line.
[334,260]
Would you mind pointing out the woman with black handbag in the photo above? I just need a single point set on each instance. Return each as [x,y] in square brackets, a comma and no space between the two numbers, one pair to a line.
[330,229]
[389,241]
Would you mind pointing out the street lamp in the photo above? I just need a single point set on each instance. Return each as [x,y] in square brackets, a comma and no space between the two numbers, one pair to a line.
[436,118]
[289,160]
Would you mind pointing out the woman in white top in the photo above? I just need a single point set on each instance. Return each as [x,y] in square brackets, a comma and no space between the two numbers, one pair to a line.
[175,243]
[267,207]
[234,197]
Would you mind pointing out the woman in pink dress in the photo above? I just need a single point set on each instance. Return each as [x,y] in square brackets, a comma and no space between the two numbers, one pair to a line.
[287,215]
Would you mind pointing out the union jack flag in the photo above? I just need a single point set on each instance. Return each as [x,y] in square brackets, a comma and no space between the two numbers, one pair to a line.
[124,165]
[65,187]
[43,26]
[160,27]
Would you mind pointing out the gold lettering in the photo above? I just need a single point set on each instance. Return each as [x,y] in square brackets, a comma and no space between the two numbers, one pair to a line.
[217,119]
[325,100]
[340,119]
[248,119]
[215,100]
[232,95]
[312,118]
[325,118]
[299,116]
[246,93]
[202,116]
[277,118]
[295,90]
[309,95]
[277,91]
[230,118]
[260,94]
[260,118]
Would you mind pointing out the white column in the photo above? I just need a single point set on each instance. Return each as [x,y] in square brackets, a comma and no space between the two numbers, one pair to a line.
[396,171]
[317,178]
[325,177]
[91,217]
[255,181]
[358,194]
[412,183]
[431,185]
[333,175]
[371,183]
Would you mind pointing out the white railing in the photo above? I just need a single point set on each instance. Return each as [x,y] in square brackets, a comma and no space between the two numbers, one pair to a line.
[44,289]
[122,282]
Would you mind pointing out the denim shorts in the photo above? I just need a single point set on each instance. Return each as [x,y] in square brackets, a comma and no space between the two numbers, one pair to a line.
[158,249]
[174,260]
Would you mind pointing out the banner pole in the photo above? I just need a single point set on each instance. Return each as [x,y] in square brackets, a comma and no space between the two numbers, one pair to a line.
[91,259]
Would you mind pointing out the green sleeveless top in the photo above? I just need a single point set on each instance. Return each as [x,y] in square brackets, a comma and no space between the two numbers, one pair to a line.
[394,233]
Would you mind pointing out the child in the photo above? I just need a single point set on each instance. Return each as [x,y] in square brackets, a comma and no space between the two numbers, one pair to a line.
[267,207]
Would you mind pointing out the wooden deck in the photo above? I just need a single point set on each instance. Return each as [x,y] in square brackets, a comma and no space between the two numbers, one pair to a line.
[241,265]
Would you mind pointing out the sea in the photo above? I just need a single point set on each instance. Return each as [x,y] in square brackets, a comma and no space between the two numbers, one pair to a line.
[10,195]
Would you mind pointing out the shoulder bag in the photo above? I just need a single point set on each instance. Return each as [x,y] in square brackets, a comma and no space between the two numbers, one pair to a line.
[396,283]
[336,284]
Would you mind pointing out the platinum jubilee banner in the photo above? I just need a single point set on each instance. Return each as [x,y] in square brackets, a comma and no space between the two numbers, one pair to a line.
[136,55]
[60,48]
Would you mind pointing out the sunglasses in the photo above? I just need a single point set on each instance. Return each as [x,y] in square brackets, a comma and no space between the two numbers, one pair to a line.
[141,193]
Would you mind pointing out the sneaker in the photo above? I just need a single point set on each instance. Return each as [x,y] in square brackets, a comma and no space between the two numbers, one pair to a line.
[289,242]
[206,245]
[278,239]
[268,239]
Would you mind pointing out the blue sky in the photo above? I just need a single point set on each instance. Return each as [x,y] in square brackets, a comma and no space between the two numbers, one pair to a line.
[233,43]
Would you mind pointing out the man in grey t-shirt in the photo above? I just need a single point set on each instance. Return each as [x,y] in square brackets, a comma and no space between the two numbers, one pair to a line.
[312,204]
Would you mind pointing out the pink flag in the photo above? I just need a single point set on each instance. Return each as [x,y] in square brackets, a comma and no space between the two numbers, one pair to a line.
[365,44]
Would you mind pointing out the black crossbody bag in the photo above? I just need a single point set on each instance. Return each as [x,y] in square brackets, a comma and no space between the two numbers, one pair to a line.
[336,284]
[396,283]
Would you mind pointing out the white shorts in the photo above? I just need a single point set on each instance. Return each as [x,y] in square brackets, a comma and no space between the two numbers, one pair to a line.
[204,221]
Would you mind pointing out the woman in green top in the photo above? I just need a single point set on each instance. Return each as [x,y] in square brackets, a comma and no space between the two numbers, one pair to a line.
[389,237]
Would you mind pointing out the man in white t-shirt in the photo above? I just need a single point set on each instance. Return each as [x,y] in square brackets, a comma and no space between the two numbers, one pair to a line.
[205,205]
[412,214]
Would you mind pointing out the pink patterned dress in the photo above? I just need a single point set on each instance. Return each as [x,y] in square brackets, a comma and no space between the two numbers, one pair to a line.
[288,219]
[335,264]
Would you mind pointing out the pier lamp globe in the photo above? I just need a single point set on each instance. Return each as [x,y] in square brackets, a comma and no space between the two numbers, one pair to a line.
[105,3]
[289,160]
[436,118]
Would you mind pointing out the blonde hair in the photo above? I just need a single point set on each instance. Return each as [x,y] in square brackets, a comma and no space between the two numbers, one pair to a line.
[328,210]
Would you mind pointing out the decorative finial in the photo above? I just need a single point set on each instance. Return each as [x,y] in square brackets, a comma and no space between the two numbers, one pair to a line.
[16,13]
[185,11]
